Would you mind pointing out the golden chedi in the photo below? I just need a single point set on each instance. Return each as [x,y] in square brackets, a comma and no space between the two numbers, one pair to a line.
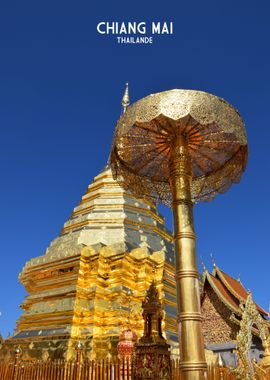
[79,289]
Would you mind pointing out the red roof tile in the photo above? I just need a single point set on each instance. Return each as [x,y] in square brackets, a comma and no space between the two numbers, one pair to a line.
[236,288]
[224,293]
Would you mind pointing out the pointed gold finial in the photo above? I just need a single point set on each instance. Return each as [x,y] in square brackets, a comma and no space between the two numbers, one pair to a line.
[203,265]
[212,259]
[125,100]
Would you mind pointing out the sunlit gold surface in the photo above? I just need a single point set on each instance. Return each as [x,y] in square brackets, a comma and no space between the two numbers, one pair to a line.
[246,368]
[78,288]
[112,369]
[193,362]
[214,132]
[177,147]
[152,354]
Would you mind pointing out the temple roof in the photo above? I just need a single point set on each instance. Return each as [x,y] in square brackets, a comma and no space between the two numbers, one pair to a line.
[229,290]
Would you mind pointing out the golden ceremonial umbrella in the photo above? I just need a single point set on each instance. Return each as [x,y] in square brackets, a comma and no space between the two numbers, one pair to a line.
[178,147]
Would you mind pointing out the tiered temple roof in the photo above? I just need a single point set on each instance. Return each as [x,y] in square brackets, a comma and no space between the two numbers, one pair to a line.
[221,298]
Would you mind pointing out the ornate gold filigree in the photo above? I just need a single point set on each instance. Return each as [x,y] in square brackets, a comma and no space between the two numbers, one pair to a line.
[247,369]
[143,138]
[177,147]
[152,356]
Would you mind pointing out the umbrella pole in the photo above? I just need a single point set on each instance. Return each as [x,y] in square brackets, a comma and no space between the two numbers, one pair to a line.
[192,357]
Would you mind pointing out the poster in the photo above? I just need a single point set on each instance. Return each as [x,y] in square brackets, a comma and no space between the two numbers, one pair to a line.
[63,70]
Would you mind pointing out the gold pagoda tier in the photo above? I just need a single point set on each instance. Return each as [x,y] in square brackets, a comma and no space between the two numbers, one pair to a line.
[79,289]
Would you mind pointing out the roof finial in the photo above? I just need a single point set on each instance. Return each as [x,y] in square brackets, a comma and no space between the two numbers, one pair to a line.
[212,259]
[125,100]
[203,265]
[239,277]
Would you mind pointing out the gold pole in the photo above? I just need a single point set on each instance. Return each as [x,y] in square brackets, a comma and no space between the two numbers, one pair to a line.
[192,362]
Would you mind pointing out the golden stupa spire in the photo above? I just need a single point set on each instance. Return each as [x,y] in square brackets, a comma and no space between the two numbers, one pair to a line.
[125,103]
[125,99]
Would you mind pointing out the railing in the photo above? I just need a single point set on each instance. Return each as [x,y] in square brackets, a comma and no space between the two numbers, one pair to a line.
[214,372]
[67,370]
[114,369]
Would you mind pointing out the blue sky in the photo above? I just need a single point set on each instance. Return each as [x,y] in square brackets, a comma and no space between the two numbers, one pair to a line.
[60,90]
